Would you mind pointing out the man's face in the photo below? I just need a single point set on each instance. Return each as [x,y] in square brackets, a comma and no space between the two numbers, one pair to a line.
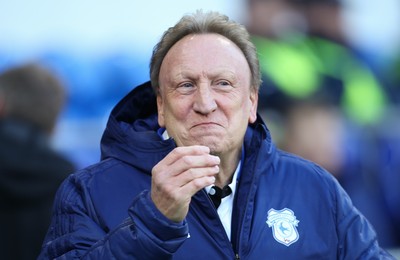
[205,96]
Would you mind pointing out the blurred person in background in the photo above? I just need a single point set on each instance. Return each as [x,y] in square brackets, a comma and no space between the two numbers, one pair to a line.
[304,54]
[31,99]
[322,101]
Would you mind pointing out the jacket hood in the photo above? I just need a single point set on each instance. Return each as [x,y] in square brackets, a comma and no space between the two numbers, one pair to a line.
[131,132]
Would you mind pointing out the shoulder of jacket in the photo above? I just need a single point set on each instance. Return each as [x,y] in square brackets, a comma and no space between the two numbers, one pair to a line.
[75,190]
[82,179]
[302,166]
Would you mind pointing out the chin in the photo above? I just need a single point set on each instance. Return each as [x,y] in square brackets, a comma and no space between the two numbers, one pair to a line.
[213,143]
[215,147]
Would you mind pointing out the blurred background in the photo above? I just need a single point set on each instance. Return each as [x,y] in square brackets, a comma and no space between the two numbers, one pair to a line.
[331,73]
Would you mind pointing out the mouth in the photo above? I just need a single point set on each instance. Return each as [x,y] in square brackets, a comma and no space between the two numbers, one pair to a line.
[205,124]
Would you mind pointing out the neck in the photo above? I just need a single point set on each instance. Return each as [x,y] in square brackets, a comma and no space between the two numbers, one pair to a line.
[228,165]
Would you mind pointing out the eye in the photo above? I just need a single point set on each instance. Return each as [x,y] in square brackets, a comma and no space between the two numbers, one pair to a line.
[223,85]
[186,87]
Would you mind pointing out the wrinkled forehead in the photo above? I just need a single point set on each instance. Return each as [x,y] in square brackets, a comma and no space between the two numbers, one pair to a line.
[206,51]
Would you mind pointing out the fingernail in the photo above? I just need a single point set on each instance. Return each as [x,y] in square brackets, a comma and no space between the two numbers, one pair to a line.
[217,160]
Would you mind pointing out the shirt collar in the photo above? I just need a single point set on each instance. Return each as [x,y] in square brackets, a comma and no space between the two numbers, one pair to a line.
[162,132]
[233,183]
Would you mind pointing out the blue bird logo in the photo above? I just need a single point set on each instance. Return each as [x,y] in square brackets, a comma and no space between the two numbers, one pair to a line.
[282,228]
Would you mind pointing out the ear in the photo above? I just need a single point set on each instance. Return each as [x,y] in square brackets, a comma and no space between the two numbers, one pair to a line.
[253,108]
[160,109]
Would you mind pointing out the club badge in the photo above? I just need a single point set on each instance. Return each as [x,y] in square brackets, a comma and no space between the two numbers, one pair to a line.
[283,223]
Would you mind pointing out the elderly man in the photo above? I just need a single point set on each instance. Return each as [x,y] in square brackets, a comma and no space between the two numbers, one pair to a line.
[188,170]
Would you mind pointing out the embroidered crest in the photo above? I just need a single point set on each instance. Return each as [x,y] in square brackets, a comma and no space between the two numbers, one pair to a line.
[283,223]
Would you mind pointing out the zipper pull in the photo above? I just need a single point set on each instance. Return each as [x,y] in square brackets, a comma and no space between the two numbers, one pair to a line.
[237,257]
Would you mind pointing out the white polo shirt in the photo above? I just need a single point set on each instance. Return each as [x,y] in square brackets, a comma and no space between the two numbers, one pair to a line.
[225,208]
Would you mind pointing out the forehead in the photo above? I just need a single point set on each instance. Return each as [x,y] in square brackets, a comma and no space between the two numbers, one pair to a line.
[206,51]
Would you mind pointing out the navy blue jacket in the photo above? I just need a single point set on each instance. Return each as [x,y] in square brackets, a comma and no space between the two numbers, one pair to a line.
[285,207]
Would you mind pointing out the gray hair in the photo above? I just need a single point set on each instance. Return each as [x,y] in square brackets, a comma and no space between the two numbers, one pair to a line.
[202,23]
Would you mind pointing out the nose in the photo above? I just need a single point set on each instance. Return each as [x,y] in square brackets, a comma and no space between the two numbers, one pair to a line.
[204,100]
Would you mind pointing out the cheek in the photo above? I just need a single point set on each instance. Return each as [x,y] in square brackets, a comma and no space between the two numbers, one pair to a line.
[175,111]
[170,111]
[245,110]
[237,112]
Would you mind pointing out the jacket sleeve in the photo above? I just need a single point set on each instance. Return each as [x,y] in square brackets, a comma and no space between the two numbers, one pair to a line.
[74,232]
[357,238]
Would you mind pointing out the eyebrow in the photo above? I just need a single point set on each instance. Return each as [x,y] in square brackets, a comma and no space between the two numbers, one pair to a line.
[187,74]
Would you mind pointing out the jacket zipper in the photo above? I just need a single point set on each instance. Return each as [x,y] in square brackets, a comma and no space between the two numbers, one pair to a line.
[216,212]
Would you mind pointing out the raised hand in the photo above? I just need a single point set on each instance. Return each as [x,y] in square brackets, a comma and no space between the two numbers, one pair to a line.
[181,174]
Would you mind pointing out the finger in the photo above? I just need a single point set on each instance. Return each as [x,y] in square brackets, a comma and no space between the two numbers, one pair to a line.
[189,162]
[184,158]
[179,152]
[195,185]
[194,173]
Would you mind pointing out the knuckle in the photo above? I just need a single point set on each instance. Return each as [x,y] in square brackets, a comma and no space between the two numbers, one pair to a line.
[192,172]
[198,183]
[168,191]
[154,170]
[178,151]
[187,160]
